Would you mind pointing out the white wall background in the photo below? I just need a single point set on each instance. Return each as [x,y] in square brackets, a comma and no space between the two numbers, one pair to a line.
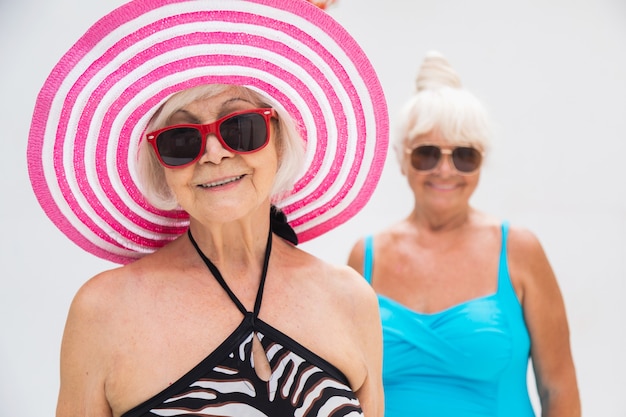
[552,73]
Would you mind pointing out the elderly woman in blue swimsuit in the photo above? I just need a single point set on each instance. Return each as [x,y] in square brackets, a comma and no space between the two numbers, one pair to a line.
[465,299]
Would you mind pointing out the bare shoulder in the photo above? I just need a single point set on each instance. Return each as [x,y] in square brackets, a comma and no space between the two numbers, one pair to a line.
[342,279]
[529,266]
[524,244]
[352,283]
[357,255]
[381,239]
[391,235]
[107,288]
[106,308]
[110,296]
[95,295]
[342,290]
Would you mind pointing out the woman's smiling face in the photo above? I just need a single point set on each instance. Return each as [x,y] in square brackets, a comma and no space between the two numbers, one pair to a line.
[222,185]
[442,188]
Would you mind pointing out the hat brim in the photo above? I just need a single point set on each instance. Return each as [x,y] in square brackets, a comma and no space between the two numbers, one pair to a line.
[94,107]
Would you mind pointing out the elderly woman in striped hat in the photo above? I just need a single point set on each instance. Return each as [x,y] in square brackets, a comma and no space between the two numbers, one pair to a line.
[196,142]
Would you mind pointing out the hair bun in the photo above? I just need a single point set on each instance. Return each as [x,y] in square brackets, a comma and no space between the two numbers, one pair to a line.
[435,73]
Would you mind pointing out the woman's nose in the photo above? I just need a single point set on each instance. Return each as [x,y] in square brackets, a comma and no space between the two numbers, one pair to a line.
[214,151]
[445,166]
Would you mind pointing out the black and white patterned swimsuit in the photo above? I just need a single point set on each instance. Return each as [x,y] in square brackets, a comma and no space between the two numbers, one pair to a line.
[225,383]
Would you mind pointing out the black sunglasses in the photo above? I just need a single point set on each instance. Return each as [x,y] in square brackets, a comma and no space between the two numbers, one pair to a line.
[465,159]
[240,132]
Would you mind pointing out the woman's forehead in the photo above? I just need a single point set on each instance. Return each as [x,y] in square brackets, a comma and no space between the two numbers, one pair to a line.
[437,137]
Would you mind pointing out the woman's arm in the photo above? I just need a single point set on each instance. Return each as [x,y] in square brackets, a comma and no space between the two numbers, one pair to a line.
[83,362]
[546,319]
[370,393]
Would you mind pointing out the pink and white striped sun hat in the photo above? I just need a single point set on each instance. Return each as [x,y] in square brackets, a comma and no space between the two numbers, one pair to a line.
[93,110]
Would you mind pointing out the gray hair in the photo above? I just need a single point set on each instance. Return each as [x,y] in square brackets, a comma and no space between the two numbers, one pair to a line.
[441,103]
[290,146]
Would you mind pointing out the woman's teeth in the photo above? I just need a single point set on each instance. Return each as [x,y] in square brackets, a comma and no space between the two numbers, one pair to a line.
[218,183]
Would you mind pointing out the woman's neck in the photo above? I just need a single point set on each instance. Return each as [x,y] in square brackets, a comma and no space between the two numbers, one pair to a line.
[241,242]
[438,221]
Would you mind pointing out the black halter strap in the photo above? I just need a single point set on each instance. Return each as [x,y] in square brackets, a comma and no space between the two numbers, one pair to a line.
[218,276]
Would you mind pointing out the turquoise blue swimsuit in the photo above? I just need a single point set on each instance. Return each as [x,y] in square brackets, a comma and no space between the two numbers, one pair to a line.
[469,360]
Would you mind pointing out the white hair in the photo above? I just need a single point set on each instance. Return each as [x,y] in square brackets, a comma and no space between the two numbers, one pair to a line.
[441,103]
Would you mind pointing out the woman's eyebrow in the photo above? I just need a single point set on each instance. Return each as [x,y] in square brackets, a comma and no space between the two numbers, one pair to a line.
[192,118]
[226,107]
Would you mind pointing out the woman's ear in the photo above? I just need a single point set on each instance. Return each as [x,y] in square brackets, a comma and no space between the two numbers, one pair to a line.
[404,160]
[279,141]
[404,167]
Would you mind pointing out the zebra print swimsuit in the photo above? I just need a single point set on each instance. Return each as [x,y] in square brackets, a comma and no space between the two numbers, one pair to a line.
[225,383]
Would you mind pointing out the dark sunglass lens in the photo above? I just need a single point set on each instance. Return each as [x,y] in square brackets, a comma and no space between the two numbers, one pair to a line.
[244,132]
[424,158]
[179,146]
[466,159]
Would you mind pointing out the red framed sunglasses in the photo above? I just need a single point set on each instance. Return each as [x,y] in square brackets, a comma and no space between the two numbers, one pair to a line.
[241,132]
[465,159]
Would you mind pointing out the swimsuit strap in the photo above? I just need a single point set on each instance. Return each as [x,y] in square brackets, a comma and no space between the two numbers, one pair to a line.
[218,276]
[368,262]
[504,278]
